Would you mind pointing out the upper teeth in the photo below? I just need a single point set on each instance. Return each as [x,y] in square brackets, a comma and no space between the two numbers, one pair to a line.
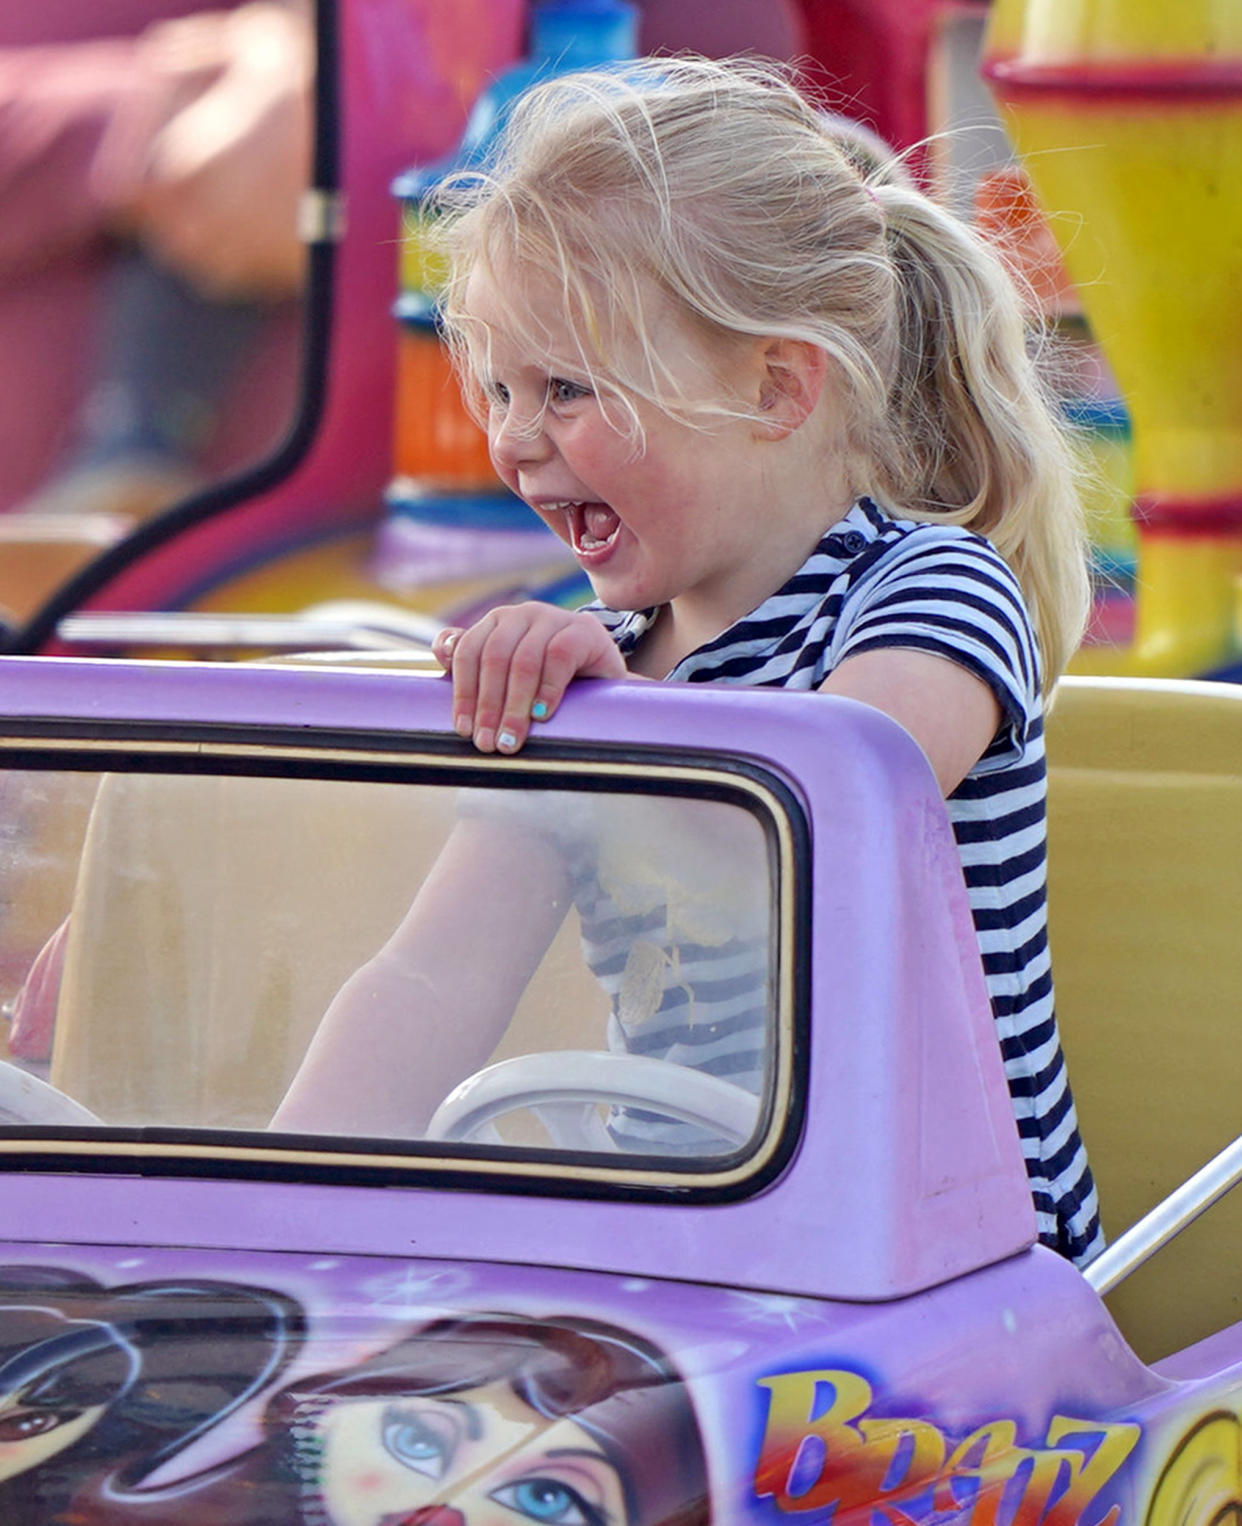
[563,503]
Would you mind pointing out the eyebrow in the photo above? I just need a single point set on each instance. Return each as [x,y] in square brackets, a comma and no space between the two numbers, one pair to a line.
[592,1455]
[469,1412]
[581,1452]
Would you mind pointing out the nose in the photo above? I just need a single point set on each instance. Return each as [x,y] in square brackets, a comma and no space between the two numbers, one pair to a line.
[429,1515]
[518,440]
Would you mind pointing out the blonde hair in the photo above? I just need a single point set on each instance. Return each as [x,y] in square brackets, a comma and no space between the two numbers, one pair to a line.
[722,187]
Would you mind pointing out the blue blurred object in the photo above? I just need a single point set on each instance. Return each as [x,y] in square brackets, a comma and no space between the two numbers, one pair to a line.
[565,35]
[436,530]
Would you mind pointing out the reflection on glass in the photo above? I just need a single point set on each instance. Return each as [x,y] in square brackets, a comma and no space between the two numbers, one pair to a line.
[587,970]
[150,266]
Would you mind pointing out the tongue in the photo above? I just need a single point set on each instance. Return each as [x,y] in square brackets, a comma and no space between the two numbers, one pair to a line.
[599,520]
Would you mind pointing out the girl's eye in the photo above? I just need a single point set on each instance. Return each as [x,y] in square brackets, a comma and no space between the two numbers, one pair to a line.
[497,394]
[548,1500]
[24,1424]
[562,391]
[414,1442]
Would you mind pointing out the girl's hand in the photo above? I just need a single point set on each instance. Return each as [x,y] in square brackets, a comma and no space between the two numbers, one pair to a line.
[514,665]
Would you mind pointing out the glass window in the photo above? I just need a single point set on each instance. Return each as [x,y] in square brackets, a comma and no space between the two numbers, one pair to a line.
[591,969]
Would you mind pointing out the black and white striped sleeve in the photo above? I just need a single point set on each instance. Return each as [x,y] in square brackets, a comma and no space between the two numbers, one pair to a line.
[945,591]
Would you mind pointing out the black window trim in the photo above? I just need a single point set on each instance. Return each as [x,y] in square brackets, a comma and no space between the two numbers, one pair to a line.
[393,757]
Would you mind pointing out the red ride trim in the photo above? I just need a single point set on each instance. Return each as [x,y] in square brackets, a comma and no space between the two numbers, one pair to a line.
[1188,518]
[1192,80]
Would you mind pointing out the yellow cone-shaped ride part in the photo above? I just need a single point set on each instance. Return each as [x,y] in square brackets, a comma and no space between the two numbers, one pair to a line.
[1129,121]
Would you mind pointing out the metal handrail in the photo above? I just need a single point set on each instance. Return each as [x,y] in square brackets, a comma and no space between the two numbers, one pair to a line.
[348,624]
[1167,1220]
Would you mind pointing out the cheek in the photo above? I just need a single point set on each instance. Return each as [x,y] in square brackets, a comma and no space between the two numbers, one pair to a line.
[591,446]
[366,1481]
[362,1493]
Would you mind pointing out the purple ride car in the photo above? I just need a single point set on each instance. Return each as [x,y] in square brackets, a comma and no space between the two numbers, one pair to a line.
[818,1301]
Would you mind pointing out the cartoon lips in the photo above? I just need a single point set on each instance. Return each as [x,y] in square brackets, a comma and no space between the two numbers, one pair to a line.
[427,1515]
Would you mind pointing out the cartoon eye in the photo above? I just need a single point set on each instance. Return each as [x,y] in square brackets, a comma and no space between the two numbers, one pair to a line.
[416,1441]
[549,1500]
[24,1424]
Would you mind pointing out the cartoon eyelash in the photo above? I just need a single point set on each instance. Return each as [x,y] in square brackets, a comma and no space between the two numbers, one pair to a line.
[416,1441]
[549,1500]
[24,1424]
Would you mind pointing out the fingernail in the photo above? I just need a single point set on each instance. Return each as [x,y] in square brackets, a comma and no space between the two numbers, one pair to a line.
[448,640]
[507,742]
[539,711]
[485,739]
[463,725]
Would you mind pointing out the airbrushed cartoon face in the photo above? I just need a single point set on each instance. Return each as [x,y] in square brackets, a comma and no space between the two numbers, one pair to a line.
[482,1457]
[59,1375]
[30,1436]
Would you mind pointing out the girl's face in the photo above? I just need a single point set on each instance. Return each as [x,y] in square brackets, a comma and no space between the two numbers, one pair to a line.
[30,1436]
[696,516]
[477,1458]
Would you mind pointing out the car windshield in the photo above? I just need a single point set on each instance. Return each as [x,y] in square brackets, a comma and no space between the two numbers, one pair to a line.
[509,970]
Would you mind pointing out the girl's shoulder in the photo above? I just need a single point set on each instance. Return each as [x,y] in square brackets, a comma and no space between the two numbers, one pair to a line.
[875,528]
[943,588]
[896,551]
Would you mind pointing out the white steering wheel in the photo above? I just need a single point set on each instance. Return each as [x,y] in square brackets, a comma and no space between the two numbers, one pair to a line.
[565,1089]
[26,1099]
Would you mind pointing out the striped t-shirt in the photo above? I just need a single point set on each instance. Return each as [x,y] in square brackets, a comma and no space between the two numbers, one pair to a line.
[875,581]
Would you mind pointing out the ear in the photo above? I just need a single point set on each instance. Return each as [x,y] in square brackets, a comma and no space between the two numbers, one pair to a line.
[791,383]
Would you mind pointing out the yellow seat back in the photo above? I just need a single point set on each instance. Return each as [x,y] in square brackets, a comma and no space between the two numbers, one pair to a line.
[1145,887]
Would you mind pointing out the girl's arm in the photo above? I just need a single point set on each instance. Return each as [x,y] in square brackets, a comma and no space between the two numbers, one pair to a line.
[950,713]
[515,664]
[431,1006]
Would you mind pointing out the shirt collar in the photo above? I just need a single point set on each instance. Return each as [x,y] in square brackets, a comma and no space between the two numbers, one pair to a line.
[837,549]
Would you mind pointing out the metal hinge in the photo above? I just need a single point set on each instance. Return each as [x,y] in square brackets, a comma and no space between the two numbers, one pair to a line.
[321,216]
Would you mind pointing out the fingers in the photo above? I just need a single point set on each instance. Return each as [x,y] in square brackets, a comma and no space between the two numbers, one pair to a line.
[442,646]
[514,667]
[510,665]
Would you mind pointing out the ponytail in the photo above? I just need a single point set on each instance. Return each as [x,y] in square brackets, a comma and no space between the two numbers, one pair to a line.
[973,438]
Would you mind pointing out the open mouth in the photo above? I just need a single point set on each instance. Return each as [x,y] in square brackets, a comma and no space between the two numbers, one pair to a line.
[593,527]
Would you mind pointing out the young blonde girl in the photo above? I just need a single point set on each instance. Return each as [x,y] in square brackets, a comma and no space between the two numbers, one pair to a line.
[787,420]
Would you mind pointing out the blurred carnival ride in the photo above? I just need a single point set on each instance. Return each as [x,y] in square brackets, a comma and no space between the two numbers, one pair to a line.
[1123,144]
[1131,131]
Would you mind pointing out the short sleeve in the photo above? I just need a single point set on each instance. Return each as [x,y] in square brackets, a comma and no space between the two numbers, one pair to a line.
[564,820]
[943,590]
